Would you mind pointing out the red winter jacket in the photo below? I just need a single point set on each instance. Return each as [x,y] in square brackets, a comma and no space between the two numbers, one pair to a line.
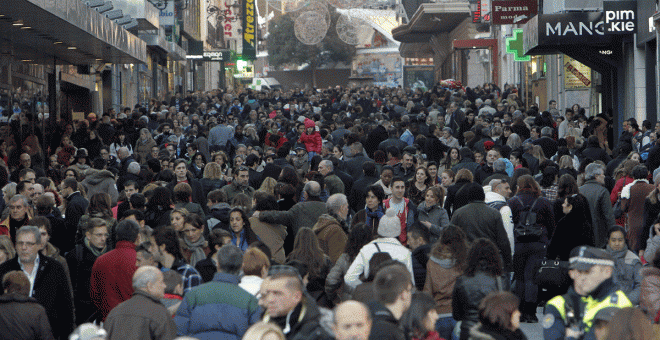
[313,142]
[112,277]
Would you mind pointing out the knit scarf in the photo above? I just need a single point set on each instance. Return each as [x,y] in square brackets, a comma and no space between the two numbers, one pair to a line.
[371,215]
[96,251]
[197,249]
[618,255]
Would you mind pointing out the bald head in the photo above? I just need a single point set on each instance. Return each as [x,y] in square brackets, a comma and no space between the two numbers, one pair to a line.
[312,189]
[352,321]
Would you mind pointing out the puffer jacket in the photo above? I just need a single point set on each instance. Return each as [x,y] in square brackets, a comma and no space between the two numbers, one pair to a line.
[219,309]
[331,235]
[22,317]
[627,274]
[441,276]
[101,181]
[468,293]
[649,297]
[435,214]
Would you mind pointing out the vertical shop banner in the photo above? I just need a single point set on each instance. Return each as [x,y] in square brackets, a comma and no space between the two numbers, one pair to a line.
[576,74]
[249,30]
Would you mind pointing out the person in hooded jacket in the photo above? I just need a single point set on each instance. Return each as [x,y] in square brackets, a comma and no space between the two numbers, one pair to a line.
[627,266]
[312,139]
[100,180]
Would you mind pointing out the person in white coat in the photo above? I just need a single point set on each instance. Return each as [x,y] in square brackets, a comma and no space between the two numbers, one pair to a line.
[389,229]
[497,197]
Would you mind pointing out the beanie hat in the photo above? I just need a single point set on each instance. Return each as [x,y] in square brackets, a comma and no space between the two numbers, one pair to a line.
[389,225]
[309,123]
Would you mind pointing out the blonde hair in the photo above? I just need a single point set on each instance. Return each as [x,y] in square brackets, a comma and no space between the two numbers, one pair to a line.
[268,186]
[213,170]
[260,329]
[7,247]
[566,162]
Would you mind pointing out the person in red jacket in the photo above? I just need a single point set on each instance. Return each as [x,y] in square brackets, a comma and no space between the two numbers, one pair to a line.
[112,273]
[311,138]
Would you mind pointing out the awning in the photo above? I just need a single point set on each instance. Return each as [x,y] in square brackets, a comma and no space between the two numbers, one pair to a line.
[431,19]
[65,31]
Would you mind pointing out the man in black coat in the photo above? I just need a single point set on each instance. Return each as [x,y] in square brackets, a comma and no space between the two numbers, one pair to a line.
[50,286]
[548,145]
[393,290]
[532,162]
[80,261]
[358,192]
[354,165]
[76,206]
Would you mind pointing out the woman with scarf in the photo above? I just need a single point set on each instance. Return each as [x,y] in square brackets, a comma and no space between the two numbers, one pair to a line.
[431,213]
[194,248]
[144,145]
[373,209]
[241,232]
[627,266]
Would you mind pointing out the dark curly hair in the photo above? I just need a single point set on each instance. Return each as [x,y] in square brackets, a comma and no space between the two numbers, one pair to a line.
[485,257]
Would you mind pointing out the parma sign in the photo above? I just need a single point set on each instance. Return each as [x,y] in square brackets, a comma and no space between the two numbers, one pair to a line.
[513,12]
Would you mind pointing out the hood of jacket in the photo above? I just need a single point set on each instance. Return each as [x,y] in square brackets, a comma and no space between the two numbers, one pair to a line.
[13,297]
[494,197]
[325,221]
[98,176]
[444,263]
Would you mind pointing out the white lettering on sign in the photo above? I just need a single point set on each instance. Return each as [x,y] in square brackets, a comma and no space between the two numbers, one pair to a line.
[620,21]
[568,28]
[511,9]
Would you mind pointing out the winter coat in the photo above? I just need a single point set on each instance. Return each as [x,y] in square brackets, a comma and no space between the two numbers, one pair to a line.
[142,150]
[544,213]
[451,197]
[649,292]
[573,229]
[313,142]
[141,317]
[197,192]
[76,207]
[272,235]
[602,215]
[303,322]
[331,235]
[51,290]
[390,245]
[632,202]
[489,332]
[438,217]
[301,215]
[385,326]
[627,272]
[478,220]
[234,189]
[101,181]
[219,309]
[22,317]
[111,282]
[81,273]
[468,293]
[441,275]
[335,288]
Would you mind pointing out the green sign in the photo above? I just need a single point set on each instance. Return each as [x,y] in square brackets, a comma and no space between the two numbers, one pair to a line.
[249,30]
[514,45]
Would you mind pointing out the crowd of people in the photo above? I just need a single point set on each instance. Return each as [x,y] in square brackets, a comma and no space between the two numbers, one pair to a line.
[341,213]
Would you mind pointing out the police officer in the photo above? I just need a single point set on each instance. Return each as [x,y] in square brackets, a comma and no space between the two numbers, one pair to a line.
[571,316]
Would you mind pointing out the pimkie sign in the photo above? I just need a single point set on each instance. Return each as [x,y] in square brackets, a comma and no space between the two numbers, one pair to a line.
[620,17]
[513,12]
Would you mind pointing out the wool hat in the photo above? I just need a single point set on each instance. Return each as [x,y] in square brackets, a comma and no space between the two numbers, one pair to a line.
[309,123]
[390,224]
[585,257]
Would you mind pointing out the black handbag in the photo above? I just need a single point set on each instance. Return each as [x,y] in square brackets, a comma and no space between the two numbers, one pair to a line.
[618,212]
[552,273]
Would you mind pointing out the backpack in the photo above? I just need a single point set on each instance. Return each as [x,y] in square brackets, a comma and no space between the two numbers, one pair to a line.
[527,229]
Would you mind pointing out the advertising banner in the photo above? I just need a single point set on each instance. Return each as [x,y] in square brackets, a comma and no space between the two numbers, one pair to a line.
[249,30]
[576,74]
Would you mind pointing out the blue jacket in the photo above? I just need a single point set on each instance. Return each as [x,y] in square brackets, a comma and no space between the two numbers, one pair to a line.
[219,309]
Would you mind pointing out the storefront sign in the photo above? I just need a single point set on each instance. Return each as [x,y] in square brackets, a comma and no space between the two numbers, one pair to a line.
[576,74]
[572,28]
[513,12]
[620,17]
[223,55]
[249,30]
[167,15]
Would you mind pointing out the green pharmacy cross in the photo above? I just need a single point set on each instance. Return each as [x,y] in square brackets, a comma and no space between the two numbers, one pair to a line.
[515,45]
